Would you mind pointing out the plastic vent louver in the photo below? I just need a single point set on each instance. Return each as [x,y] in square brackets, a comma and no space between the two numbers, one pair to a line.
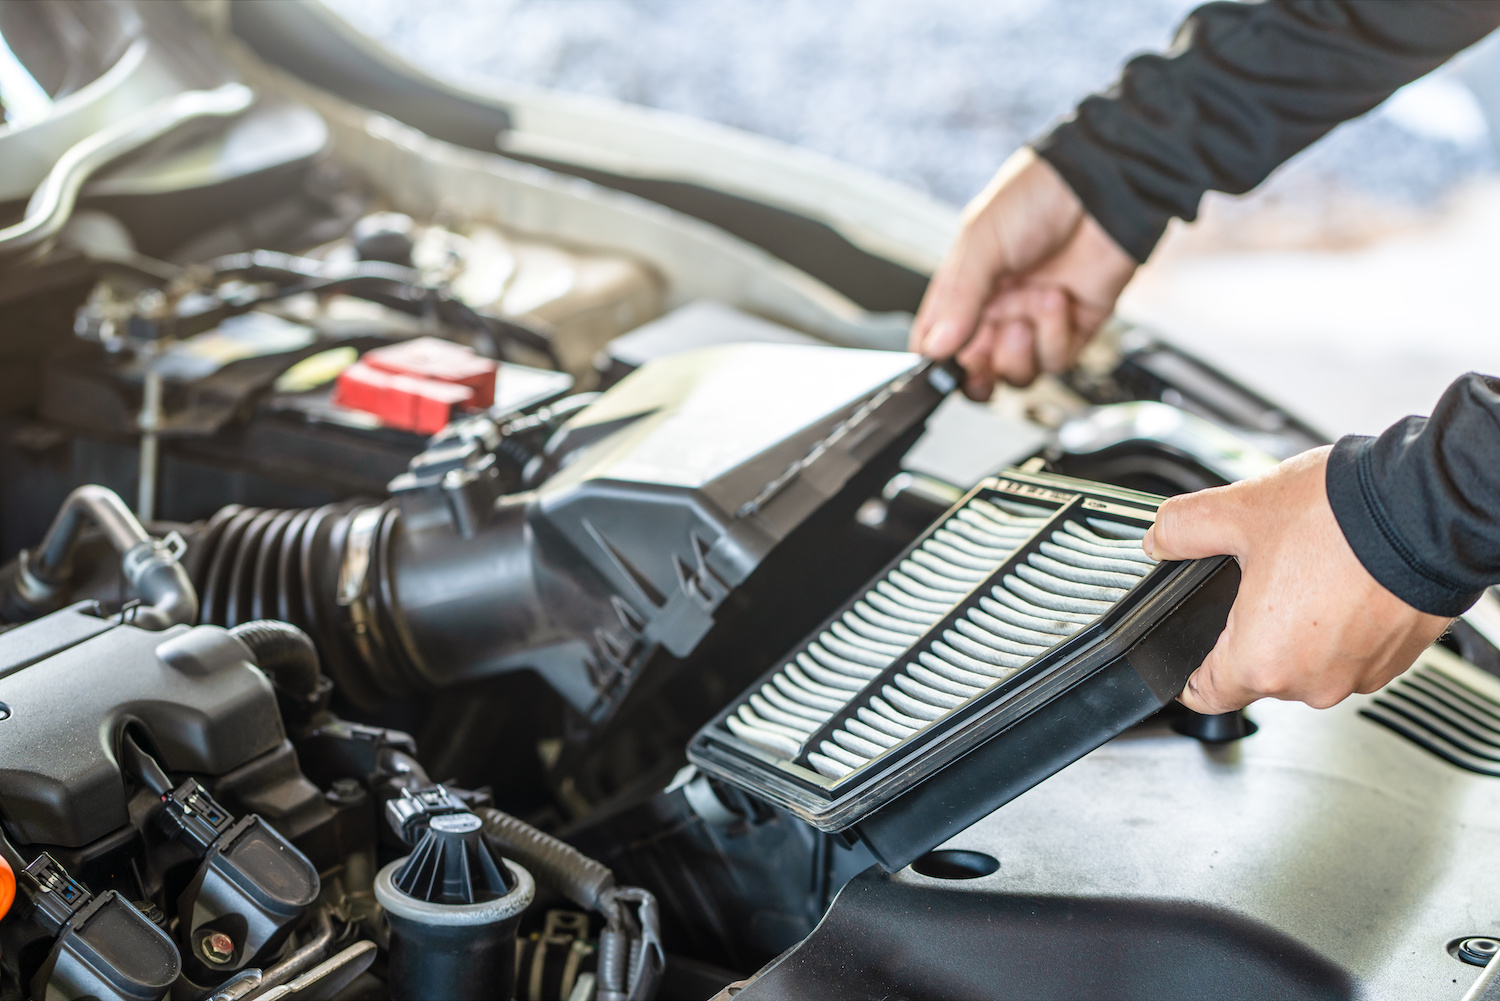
[1443,712]
[1025,615]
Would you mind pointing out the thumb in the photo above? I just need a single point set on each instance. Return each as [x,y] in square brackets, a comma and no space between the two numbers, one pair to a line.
[1192,526]
[1215,688]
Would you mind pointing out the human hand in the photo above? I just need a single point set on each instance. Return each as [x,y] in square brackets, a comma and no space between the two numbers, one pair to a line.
[1028,281]
[1309,624]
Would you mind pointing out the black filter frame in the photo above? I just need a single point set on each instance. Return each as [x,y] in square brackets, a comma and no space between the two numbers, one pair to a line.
[1108,676]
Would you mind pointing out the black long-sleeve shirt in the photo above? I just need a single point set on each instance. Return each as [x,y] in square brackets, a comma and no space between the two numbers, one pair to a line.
[1244,87]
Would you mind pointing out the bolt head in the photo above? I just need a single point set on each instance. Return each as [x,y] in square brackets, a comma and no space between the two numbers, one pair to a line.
[217,948]
[1478,950]
[345,792]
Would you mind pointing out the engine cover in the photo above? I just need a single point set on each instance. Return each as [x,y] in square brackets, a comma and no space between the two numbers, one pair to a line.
[69,685]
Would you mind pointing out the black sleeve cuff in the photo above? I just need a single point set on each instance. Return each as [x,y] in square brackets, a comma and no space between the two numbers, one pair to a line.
[1372,532]
[1095,178]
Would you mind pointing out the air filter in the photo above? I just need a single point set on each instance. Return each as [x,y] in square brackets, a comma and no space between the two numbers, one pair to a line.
[1021,631]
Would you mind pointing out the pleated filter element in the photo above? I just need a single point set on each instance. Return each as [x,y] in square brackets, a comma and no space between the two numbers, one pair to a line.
[1022,590]
[1072,578]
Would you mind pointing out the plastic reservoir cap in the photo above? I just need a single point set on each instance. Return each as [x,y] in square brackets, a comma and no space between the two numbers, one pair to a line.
[7,887]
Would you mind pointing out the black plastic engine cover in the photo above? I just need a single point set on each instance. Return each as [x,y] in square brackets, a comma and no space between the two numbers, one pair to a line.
[69,684]
[908,936]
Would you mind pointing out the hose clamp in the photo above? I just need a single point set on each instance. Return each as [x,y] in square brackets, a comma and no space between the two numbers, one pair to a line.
[354,594]
[146,556]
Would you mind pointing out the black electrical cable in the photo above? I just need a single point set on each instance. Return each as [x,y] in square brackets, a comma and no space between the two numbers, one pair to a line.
[391,285]
[143,767]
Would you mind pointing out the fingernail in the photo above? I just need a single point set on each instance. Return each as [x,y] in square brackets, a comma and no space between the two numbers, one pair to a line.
[936,335]
[1148,542]
[938,338]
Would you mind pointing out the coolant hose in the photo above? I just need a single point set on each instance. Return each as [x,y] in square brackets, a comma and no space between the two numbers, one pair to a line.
[166,593]
[149,565]
[89,503]
[284,652]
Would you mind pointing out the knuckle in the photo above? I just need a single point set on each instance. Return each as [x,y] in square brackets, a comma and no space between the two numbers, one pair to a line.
[1276,680]
[1327,696]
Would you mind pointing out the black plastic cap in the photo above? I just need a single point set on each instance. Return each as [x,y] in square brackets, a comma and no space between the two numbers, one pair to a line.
[455,863]
[1220,729]
[385,236]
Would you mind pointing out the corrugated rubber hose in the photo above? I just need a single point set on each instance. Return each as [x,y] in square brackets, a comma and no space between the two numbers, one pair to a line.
[284,652]
[630,952]
[589,883]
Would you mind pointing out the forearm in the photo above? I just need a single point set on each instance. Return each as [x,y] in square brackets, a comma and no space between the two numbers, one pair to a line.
[1244,88]
[1420,505]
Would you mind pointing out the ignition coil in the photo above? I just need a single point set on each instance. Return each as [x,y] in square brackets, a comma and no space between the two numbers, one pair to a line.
[252,886]
[251,889]
[105,948]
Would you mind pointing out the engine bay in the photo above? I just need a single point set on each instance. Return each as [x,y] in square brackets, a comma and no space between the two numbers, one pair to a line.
[431,574]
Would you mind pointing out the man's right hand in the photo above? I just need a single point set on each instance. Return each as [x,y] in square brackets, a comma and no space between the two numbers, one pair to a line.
[1027,283]
[1309,623]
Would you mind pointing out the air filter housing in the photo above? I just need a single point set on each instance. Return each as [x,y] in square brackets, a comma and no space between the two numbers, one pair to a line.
[1025,628]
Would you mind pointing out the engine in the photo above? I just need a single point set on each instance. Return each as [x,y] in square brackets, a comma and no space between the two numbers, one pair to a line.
[430,575]
[289,734]
[223,802]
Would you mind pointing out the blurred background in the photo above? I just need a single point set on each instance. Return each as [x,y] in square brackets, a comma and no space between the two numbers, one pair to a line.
[1351,287]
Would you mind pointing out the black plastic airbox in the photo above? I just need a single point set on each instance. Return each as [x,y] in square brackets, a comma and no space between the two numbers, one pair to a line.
[1021,631]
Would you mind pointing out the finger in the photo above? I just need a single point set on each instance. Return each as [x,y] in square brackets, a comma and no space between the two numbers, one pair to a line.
[1054,329]
[1093,269]
[950,310]
[1192,526]
[974,358]
[980,387]
[921,324]
[1015,353]
[975,355]
[1216,687]
[949,334]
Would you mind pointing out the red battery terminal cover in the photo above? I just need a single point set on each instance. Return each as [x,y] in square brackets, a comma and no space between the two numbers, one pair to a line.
[416,385]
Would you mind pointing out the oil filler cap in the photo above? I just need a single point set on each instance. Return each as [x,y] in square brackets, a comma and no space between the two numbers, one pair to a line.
[453,904]
[455,863]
